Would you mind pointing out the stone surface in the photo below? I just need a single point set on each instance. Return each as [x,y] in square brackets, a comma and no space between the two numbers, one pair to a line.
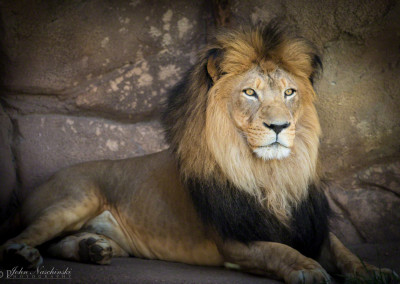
[358,103]
[7,168]
[135,270]
[366,204]
[322,21]
[48,143]
[119,57]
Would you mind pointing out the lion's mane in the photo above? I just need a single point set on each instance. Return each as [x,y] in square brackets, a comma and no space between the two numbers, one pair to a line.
[241,196]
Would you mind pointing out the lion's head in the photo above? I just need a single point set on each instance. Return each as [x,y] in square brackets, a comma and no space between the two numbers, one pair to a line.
[245,115]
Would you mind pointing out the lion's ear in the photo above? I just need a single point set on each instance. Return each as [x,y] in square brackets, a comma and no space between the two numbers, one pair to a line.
[214,59]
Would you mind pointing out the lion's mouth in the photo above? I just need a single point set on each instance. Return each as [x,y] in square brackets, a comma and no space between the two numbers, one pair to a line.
[272,151]
[275,144]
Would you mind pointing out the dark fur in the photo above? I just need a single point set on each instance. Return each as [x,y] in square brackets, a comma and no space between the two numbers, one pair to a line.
[236,215]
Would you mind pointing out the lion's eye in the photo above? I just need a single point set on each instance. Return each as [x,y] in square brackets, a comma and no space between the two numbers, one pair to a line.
[250,92]
[290,92]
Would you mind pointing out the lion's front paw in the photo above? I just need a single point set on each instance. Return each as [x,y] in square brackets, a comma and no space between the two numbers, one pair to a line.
[371,274]
[307,273]
[21,255]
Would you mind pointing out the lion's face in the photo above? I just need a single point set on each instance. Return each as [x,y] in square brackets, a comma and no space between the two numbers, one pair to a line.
[263,107]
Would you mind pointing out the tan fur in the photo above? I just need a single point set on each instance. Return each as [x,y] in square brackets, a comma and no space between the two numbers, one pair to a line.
[141,206]
[275,260]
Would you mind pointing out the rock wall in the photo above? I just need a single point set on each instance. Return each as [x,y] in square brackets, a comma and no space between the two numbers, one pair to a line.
[86,80]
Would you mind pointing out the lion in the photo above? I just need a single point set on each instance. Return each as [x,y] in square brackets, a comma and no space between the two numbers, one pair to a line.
[238,186]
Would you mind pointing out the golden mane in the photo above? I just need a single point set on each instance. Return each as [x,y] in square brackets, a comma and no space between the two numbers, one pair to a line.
[204,139]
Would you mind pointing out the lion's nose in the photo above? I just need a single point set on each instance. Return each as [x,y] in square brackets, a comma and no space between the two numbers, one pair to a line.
[277,127]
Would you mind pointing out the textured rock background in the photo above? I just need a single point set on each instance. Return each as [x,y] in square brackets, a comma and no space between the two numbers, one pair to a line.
[85,80]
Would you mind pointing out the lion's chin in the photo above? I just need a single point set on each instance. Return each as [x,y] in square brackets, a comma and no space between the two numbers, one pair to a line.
[274,151]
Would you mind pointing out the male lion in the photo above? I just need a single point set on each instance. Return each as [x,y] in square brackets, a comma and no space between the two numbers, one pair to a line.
[239,184]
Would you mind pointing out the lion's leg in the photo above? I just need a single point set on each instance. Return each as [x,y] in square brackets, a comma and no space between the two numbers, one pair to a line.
[64,216]
[276,260]
[336,258]
[86,247]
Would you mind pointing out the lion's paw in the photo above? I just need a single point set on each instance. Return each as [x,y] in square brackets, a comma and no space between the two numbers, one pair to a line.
[21,255]
[371,274]
[95,250]
[309,276]
[307,273]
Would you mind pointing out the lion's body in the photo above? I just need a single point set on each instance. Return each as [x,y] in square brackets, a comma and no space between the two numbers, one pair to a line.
[239,183]
[155,217]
